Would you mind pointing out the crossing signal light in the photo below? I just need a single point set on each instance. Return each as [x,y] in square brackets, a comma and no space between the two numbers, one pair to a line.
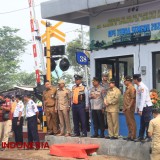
[53,64]
[64,64]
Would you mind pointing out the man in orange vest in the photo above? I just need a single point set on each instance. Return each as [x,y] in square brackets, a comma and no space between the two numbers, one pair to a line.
[80,102]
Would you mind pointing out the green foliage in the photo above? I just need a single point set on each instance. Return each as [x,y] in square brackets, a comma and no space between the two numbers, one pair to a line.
[72,48]
[24,78]
[11,47]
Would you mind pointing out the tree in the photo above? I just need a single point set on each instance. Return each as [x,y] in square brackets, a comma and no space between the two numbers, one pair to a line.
[24,78]
[72,47]
[11,47]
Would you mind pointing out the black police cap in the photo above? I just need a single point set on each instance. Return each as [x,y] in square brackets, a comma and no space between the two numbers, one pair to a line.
[128,78]
[77,77]
[27,95]
[136,76]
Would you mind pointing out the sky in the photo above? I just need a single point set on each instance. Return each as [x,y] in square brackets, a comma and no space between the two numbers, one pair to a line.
[21,20]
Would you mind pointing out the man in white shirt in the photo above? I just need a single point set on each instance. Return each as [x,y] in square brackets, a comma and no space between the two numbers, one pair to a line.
[17,122]
[32,118]
[143,105]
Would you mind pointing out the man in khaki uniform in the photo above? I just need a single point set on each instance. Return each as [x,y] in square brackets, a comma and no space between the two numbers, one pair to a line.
[112,108]
[63,101]
[129,100]
[49,108]
[154,132]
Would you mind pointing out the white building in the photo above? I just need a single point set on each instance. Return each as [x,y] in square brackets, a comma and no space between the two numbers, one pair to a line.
[130,30]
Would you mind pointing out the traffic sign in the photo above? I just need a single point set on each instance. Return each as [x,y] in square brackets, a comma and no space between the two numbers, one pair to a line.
[82,58]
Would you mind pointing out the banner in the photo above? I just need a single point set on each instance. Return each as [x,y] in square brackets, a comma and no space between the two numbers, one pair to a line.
[127,26]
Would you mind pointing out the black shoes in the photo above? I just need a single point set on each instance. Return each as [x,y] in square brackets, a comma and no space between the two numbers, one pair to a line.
[139,140]
[94,136]
[75,135]
[128,139]
[107,137]
[114,138]
[83,135]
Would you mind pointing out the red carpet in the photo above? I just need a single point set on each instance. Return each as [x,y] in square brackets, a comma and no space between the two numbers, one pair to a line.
[73,150]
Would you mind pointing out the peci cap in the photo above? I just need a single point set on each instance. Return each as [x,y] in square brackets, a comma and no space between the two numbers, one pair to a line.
[136,76]
[112,80]
[61,81]
[128,78]
[77,77]
[96,79]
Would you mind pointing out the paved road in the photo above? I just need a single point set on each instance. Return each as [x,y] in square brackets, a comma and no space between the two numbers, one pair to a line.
[44,155]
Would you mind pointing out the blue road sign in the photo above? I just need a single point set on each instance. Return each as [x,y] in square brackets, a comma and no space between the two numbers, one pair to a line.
[81,58]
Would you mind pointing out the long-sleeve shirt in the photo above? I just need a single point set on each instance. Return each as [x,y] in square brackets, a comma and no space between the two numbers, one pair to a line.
[143,97]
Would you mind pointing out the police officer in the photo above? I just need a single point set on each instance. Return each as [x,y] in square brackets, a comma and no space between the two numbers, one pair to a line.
[129,101]
[17,122]
[105,82]
[49,108]
[63,101]
[105,85]
[97,107]
[154,132]
[80,103]
[111,101]
[144,106]
[32,118]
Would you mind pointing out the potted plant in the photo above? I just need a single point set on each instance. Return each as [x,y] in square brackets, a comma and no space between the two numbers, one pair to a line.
[155,98]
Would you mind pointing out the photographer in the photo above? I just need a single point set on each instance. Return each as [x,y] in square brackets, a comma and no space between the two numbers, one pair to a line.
[5,121]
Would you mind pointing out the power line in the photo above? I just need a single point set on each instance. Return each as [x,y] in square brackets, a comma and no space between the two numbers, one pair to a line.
[13,11]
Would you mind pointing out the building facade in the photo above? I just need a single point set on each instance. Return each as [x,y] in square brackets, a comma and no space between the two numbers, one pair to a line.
[124,35]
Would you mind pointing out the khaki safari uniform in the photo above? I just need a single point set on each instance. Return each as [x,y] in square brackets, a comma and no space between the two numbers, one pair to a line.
[63,97]
[154,127]
[129,95]
[49,105]
[112,97]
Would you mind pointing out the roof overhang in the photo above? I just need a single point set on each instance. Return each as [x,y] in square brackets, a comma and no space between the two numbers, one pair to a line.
[73,11]
[80,11]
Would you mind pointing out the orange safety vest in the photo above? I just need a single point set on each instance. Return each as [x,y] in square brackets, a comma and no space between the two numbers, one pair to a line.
[77,91]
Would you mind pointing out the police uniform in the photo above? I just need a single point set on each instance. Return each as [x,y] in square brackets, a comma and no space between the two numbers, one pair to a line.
[18,129]
[63,97]
[80,102]
[97,104]
[144,105]
[31,109]
[154,128]
[49,105]
[112,98]
[129,109]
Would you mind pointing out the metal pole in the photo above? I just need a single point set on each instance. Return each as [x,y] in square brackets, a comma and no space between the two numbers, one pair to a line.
[85,67]
[48,51]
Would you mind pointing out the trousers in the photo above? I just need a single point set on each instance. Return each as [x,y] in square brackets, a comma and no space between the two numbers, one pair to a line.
[32,129]
[98,121]
[18,129]
[64,120]
[131,124]
[79,117]
[113,124]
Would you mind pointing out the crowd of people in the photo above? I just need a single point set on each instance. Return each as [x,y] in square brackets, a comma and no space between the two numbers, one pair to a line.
[103,100]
